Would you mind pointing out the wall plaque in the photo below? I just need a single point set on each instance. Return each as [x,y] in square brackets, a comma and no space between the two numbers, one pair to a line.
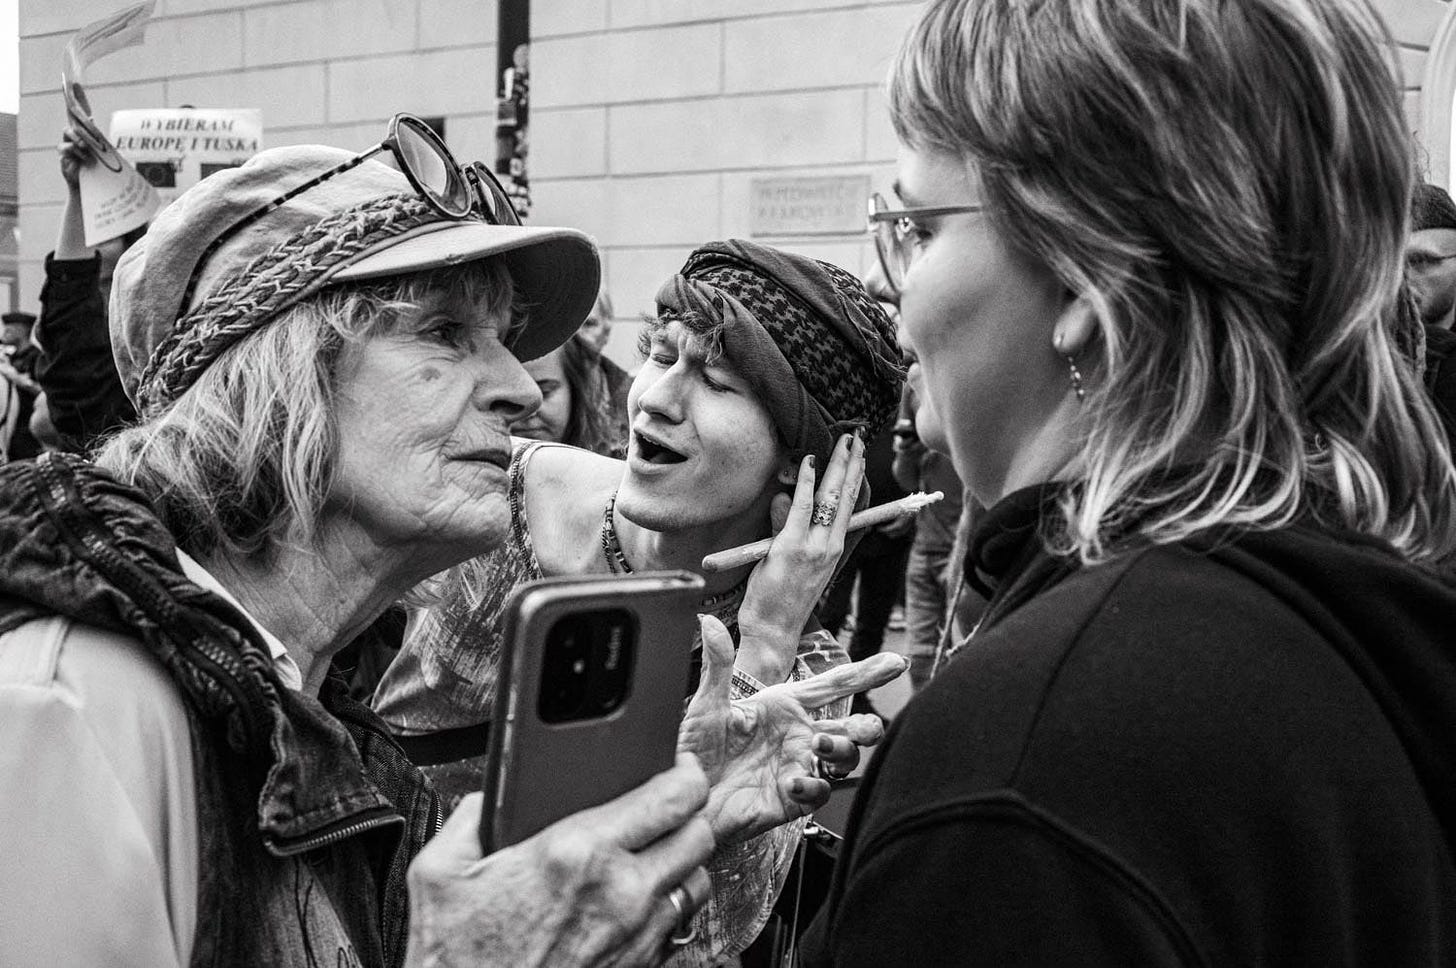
[819,205]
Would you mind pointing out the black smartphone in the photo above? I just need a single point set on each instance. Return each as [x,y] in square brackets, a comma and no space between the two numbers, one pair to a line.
[589,697]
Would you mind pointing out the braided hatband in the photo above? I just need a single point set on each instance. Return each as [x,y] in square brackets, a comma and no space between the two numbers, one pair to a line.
[267,285]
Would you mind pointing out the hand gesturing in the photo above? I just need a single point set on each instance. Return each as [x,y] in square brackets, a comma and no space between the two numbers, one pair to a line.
[758,753]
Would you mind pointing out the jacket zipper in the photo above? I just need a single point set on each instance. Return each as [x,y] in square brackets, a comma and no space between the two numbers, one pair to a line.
[328,837]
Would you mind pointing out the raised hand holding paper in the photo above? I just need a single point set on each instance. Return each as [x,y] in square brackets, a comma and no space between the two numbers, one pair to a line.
[114,198]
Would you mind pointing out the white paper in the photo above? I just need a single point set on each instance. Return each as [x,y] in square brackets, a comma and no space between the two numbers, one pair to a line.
[114,198]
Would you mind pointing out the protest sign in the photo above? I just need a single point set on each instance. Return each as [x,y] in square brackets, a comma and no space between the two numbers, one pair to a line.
[175,148]
[114,198]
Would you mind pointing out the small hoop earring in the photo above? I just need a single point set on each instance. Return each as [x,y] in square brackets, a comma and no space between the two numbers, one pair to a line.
[1076,378]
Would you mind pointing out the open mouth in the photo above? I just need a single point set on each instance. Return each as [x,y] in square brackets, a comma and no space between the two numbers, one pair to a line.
[656,452]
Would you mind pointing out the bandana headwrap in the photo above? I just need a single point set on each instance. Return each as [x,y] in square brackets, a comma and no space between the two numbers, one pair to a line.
[1431,208]
[812,344]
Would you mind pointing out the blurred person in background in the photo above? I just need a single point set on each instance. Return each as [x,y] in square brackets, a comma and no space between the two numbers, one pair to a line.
[18,387]
[575,406]
[1430,255]
[83,392]
[872,581]
[931,578]
[16,346]
[598,326]
[1430,273]
[616,382]
[1148,254]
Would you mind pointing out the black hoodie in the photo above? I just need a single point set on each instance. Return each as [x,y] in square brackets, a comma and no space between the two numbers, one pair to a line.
[1216,753]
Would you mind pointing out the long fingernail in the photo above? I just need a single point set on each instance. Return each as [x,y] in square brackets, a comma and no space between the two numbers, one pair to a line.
[848,441]
[812,460]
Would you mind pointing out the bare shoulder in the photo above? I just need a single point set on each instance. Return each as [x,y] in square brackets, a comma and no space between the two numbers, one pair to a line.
[564,491]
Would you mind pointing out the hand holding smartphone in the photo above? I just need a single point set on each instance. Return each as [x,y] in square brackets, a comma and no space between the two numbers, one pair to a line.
[590,694]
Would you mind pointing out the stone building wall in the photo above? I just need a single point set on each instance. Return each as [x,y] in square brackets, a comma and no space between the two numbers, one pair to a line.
[651,120]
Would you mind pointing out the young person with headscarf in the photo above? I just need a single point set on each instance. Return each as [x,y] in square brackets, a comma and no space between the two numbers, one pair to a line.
[761,364]
[1430,275]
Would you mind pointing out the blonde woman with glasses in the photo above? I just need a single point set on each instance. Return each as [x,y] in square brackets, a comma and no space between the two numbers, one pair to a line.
[1148,254]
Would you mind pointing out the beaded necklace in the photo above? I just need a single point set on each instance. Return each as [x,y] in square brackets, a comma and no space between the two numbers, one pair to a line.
[722,606]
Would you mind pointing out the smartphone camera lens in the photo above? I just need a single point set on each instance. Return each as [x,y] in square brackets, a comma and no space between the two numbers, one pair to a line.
[587,670]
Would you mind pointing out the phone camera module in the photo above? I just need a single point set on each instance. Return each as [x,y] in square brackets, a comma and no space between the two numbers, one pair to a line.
[587,668]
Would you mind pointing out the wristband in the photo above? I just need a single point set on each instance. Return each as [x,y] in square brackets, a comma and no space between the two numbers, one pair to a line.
[745,684]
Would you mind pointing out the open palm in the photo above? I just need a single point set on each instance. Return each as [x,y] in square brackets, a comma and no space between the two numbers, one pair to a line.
[758,753]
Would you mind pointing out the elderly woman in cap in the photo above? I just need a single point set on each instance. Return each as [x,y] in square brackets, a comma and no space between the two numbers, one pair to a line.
[761,366]
[323,351]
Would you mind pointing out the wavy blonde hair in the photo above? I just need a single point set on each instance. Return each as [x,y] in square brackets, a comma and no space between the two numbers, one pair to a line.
[1226,185]
[242,463]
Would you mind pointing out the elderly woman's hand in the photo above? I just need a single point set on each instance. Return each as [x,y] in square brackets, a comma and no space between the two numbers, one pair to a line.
[838,742]
[759,753]
[590,890]
[786,585]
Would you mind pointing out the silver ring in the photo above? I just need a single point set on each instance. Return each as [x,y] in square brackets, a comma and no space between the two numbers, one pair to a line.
[678,897]
[826,771]
[823,513]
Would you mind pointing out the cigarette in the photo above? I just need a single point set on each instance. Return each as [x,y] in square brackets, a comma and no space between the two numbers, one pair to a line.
[731,558]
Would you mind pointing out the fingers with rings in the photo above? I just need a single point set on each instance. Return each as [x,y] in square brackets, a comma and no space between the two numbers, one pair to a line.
[841,479]
[685,931]
[684,906]
[830,771]
[835,757]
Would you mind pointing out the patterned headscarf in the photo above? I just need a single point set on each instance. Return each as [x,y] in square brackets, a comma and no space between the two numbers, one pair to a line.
[1431,208]
[810,341]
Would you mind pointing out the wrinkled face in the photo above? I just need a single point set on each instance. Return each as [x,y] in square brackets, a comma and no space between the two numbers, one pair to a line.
[550,419]
[979,318]
[1430,259]
[423,419]
[703,448]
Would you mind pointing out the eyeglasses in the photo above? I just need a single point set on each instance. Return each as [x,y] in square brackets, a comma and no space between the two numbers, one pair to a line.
[454,191]
[894,230]
[1421,262]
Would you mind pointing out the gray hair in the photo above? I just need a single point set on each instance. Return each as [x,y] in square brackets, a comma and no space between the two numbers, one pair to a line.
[242,463]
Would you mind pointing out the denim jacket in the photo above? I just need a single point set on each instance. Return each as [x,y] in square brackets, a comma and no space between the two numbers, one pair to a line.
[308,813]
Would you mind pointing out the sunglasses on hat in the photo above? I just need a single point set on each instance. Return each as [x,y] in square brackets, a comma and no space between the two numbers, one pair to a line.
[455,192]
